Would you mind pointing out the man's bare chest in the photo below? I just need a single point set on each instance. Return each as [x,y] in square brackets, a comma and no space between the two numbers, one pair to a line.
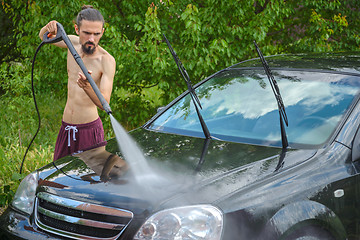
[93,64]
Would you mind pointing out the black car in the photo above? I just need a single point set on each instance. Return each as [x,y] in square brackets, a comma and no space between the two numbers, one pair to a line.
[268,152]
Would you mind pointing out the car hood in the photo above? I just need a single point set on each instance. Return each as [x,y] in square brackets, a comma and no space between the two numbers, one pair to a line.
[176,170]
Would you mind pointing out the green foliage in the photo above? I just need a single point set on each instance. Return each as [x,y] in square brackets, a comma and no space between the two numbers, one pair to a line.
[6,195]
[207,35]
[10,161]
[18,86]
[7,35]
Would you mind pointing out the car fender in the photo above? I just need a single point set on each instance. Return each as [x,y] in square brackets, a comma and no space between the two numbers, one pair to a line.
[301,213]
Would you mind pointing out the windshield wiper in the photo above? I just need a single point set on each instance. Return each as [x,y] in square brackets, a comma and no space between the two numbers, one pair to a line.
[203,153]
[193,95]
[276,91]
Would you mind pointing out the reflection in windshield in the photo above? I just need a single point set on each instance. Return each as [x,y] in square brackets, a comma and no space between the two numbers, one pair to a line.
[238,105]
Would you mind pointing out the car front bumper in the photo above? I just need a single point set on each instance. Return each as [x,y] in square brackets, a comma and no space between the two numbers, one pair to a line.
[15,225]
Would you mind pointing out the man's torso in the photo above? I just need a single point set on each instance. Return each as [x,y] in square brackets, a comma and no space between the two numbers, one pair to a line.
[79,107]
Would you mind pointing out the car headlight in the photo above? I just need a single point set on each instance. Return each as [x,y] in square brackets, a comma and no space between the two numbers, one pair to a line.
[188,222]
[25,194]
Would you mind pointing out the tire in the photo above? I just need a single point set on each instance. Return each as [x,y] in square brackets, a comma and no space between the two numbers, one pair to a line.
[310,232]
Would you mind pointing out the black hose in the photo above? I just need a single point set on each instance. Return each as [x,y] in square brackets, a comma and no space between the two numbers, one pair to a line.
[36,107]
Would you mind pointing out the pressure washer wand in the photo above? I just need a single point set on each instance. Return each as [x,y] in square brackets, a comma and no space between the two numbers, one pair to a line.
[61,35]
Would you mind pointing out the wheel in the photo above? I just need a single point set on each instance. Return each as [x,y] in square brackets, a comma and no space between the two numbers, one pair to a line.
[310,232]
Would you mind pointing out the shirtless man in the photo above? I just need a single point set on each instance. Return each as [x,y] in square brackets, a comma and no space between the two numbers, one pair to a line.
[81,126]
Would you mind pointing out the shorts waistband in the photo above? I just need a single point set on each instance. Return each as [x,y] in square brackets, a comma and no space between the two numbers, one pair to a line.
[83,125]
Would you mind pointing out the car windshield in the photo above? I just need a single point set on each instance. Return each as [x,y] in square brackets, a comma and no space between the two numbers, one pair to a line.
[239,105]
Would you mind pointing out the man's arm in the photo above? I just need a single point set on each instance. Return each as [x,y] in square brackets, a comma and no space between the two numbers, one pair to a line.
[106,81]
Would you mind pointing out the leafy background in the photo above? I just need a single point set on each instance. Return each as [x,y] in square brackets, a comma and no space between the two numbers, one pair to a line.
[207,35]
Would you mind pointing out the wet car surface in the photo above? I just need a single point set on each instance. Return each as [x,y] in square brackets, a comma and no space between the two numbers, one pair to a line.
[172,182]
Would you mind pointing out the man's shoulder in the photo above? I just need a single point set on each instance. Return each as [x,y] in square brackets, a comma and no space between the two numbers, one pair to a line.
[106,56]
[74,39]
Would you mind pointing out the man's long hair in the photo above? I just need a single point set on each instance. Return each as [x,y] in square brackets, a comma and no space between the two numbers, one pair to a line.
[89,13]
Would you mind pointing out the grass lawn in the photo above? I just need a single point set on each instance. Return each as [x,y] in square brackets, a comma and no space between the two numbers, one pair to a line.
[17,128]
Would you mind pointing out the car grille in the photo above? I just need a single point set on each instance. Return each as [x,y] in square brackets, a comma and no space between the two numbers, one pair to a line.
[79,220]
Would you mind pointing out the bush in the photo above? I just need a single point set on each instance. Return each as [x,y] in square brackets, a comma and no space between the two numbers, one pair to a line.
[10,161]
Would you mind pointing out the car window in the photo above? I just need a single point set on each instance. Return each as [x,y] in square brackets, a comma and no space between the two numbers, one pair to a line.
[239,105]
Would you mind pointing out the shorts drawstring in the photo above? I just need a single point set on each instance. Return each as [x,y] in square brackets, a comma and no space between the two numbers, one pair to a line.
[69,128]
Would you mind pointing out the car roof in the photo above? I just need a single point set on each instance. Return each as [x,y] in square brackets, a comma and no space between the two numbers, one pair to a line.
[345,62]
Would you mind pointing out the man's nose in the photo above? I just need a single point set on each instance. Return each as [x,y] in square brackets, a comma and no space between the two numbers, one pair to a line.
[92,38]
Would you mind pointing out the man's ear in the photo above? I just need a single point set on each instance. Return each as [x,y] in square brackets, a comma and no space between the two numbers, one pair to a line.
[76,29]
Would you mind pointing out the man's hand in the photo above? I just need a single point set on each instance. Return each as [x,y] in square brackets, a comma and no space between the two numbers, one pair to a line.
[51,27]
[82,81]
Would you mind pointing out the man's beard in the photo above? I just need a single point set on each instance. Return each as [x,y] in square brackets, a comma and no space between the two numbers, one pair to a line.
[90,49]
